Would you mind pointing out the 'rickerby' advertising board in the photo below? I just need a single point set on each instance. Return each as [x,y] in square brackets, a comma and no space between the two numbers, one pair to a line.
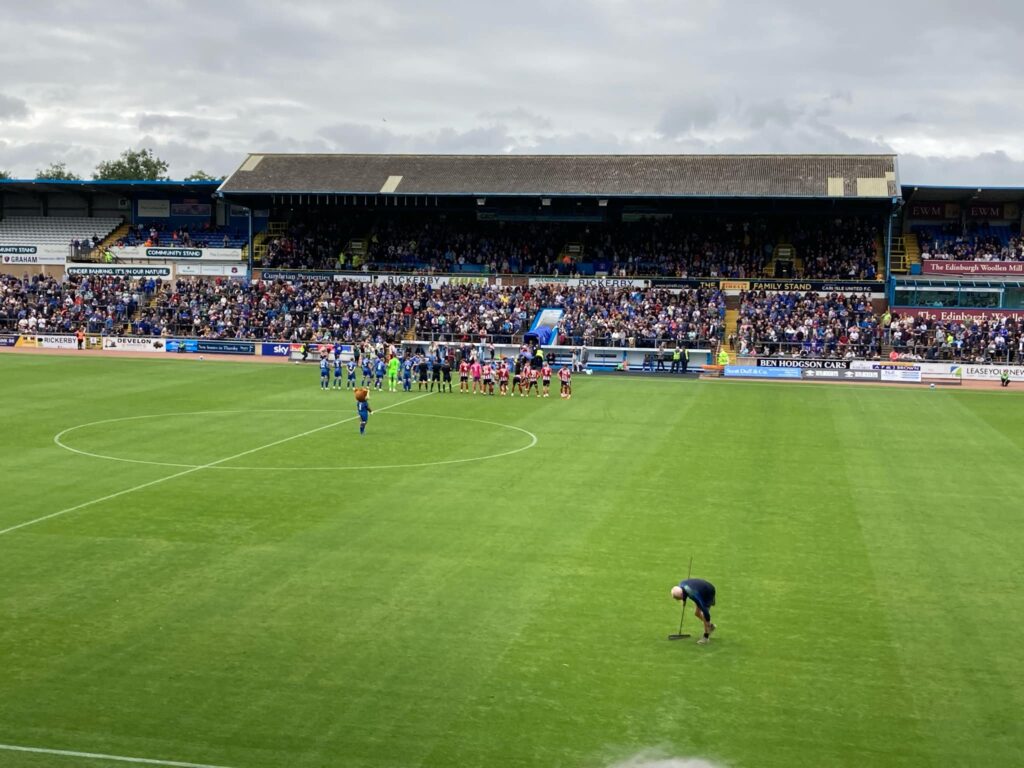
[432,280]
[56,341]
[593,282]
[133,344]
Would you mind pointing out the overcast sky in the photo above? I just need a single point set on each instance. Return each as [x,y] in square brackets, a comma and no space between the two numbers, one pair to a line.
[203,83]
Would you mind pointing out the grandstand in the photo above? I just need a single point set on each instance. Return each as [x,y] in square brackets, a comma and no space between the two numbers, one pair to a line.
[55,230]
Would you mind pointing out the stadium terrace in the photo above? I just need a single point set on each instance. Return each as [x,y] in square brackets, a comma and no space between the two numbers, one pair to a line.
[803,255]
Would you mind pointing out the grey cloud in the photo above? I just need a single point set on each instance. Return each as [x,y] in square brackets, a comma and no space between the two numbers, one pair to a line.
[518,116]
[688,114]
[461,76]
[986,169]
[12,108]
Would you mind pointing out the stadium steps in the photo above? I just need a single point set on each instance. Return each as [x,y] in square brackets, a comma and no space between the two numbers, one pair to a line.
[879,255]
[898,256]
[358,248]
[913,248]
[259,246]
[785,253]
[732,319]
[571,251]
[118,234]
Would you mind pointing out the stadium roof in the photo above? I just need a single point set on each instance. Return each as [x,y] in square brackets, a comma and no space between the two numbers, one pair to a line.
[978,195]
[758,176]
[117,186]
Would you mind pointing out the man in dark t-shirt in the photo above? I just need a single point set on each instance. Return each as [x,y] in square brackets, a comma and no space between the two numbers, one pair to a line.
[703,595]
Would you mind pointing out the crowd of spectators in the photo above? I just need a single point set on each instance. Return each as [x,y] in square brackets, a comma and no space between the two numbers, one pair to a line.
[976,244]
[41,304]
[206,235]
[839,249]
[975,341]
[352,311]
[704,246]
[806,325]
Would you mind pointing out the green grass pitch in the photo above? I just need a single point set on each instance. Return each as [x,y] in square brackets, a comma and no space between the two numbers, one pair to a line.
[304,605]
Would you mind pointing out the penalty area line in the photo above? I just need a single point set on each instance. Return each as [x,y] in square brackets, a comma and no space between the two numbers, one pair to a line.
[190,470]
[110,758]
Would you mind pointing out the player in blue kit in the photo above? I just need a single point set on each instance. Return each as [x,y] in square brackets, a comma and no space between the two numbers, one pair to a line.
[379,369]
[367,372]
[407,366]
[337,372]
[325,373]
[350,383]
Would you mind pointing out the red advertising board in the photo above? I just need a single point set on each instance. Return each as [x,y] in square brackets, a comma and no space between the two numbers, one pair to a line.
[985,268]
[956,315]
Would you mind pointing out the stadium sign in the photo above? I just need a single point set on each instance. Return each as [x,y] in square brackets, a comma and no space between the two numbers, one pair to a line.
[133,344]
[597,282]
[934,211]
[174,253]
[298,275]
[820,286]
[830,374]
[32,254]
[275,350]
[985,268]
[965,316]
[121,271]
[432,280]
[992,372]
[47,342]
[225,347]
[760,372]
[8,341]
[41,258]
[796,362]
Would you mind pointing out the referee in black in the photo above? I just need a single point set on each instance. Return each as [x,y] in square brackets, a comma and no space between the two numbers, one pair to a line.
[703,595]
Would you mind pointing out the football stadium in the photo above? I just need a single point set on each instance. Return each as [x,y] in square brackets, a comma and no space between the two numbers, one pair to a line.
[395,460]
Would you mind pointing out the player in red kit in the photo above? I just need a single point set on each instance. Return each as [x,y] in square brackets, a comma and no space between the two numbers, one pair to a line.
[503,378]
[464,376]
[545,378]
[533,384]
[488,375]
[565,377]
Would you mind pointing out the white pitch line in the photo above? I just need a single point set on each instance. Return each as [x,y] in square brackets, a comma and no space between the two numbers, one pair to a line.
[111,758]
[196,469]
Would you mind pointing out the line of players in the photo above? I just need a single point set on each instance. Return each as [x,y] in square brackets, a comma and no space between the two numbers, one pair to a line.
[428,371]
